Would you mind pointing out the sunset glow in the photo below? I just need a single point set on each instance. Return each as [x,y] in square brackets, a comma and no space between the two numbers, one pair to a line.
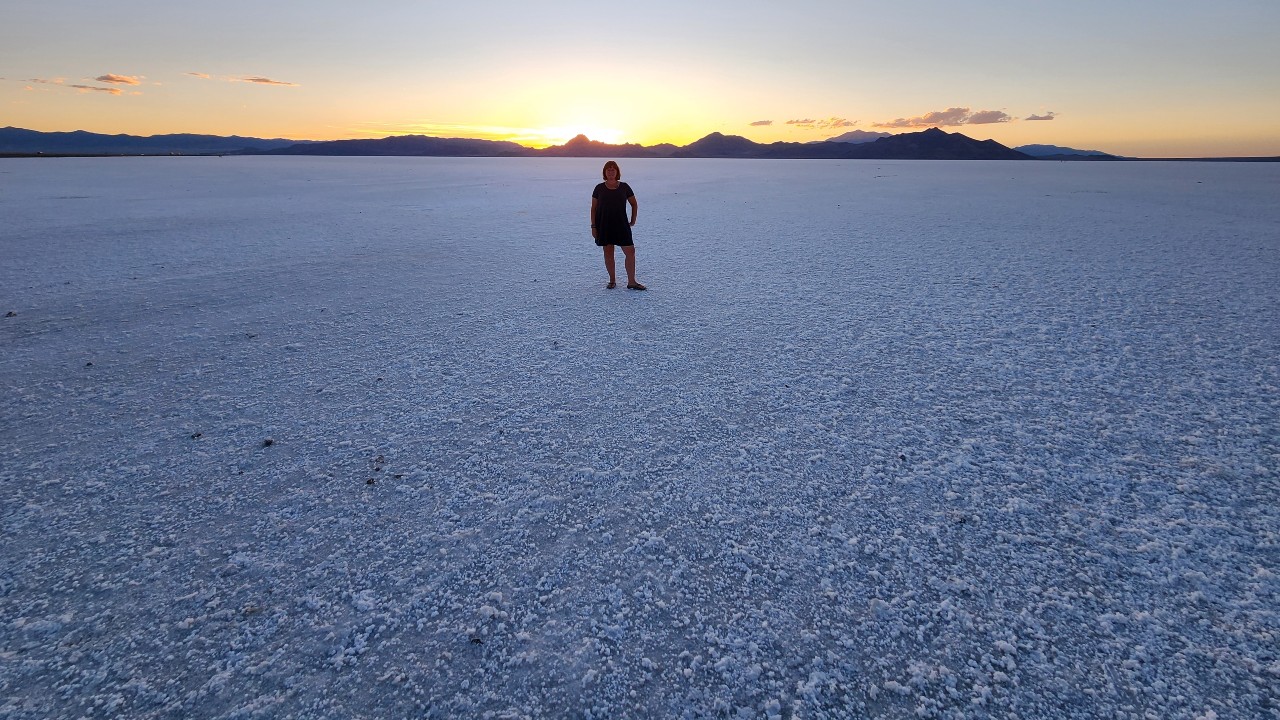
[528,137]
[1108,77]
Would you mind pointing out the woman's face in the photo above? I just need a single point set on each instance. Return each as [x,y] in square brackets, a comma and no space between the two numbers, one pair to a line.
[611,174]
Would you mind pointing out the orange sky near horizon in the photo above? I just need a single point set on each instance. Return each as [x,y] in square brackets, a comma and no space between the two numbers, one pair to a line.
[1187,81]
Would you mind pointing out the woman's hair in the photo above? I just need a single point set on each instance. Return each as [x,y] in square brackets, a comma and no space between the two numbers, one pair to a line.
[611,164]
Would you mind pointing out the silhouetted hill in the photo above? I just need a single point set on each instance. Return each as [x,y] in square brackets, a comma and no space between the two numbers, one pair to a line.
[931,144]
[1055,152]
[407,145]
[1046,150]
[1080,158]
[717,145]
[17,141]
[858,136]
[581,146]
[664,149]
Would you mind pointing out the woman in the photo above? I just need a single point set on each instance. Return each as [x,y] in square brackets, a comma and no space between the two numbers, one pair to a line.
[609,223]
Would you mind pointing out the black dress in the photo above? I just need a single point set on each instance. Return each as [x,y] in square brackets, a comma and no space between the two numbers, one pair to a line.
[612,225]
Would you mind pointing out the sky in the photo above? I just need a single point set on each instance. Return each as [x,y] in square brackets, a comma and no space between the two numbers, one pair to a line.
[1144,78]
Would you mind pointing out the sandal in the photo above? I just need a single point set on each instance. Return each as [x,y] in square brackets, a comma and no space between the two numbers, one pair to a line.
[636,286]
[611,285]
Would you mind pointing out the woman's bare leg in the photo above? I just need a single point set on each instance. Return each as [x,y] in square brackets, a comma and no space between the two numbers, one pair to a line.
[608,264]
[629,261]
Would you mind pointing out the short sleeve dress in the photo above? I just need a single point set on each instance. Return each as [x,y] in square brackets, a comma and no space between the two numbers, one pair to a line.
[612,225]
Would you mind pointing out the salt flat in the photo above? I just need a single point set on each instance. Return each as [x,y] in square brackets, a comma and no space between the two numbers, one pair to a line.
[325,437]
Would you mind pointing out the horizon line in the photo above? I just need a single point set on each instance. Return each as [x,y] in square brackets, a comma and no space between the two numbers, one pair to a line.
[587,138]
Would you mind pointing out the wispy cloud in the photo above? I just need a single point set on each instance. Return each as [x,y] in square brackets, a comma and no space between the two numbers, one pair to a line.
[264,81]
[93,88]
[1047,116]
[255,79]
[62,82]
[762,123]
[829,123]
[950,116]
[119,79]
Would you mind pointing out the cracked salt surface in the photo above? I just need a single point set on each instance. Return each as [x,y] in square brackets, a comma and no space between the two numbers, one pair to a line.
[882,440]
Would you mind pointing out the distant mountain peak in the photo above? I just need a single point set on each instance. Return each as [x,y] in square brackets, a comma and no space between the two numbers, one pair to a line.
[721,145]
[858,136]
[1058,151]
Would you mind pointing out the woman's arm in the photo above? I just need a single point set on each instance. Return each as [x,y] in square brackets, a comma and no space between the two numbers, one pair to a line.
[594,203]
[635,208]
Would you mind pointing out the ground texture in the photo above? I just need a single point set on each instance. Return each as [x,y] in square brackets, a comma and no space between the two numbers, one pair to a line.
[369,438]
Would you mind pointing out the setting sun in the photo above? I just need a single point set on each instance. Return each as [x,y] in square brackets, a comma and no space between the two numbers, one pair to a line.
[561,135]
[535,137]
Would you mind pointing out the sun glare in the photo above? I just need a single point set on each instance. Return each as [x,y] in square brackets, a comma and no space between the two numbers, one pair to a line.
[546,137]
[534,137]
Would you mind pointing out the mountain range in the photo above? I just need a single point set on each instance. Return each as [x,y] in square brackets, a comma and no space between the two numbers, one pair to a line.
[1055,152]
[17,141]
[931,144]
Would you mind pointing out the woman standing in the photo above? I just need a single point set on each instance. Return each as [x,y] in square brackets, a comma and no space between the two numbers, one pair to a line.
[609,223]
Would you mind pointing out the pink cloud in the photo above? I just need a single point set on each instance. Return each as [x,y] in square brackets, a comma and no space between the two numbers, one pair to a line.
[950,116]
[987,117]
[91,88]
[119,79]
[265,81]
[834,122]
